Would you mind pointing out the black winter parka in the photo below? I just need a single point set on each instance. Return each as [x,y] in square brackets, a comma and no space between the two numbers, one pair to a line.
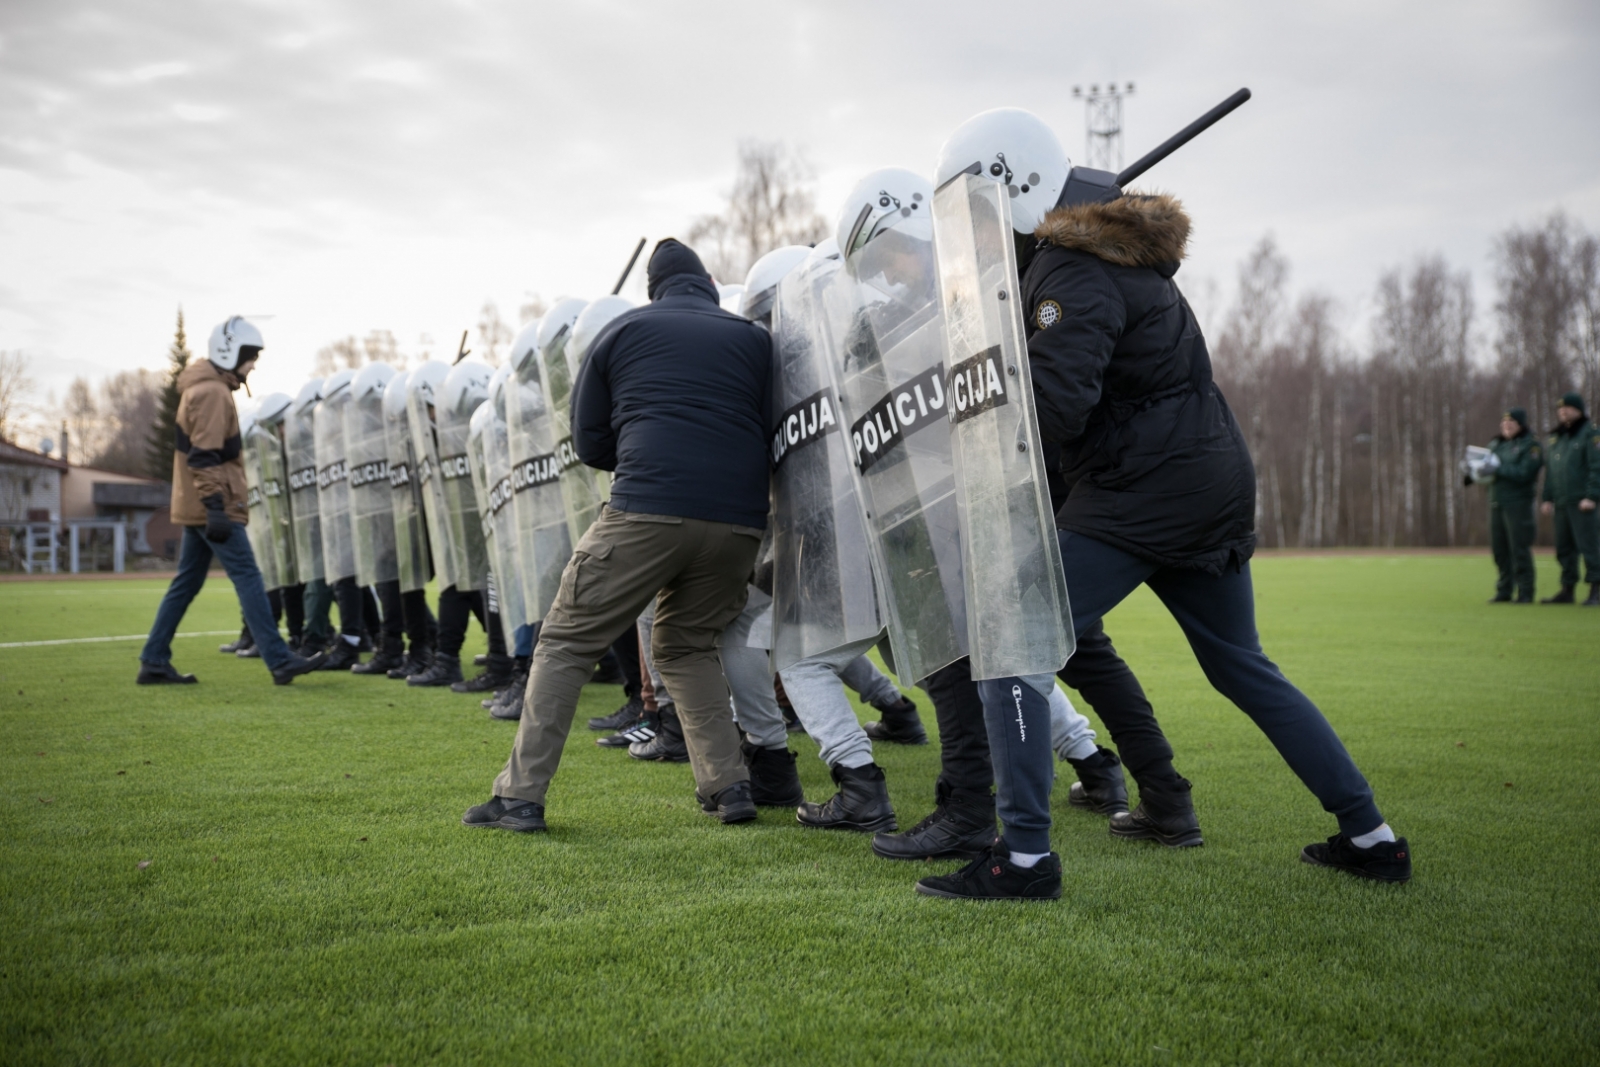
[1150,455]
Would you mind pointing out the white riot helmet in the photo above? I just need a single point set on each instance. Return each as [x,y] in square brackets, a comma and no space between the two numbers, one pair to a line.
[558,321]
[761,284]
[730,297]
[1013,147]
[497,387]
[425,382]
[335,382]
[524,345]
[888,199]
[394,395]
[595,317]
[229,339]
[374,378]
[307,397]
[247,418]
[465,387]
[272,407]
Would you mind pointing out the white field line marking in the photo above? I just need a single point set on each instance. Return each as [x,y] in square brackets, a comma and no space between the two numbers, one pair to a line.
[124,637]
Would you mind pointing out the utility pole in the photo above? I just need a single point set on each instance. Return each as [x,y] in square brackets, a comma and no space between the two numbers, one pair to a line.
[1103,124]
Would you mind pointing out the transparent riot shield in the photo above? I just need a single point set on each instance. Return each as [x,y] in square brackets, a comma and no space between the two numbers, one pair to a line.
[300,447]
[823,591]
[890,375]
[455,404]
[583,489]
[371,501]
[271,527]
[544,540]
[333,486]
[421,386]
[413,565]
[1018,618]
[491,482]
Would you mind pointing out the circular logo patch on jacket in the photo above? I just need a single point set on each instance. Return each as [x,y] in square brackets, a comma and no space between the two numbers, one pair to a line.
[1047,314]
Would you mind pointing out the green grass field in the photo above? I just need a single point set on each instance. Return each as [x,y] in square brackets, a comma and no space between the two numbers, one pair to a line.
[310,896]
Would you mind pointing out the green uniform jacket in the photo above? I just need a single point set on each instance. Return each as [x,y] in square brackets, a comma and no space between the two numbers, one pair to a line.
[1520,459]
[1573,456]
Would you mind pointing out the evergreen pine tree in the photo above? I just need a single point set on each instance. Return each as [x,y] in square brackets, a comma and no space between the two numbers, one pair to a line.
[158,456]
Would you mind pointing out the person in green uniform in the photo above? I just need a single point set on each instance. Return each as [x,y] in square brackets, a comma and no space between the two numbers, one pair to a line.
[1571,489]
[1511,522]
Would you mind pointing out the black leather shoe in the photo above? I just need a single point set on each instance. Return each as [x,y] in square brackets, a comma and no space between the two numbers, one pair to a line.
[382,663]
[774,782]
[862,803]
[166,674]
[1594,596]
[342,657]
[730,805]
[244,640]
[444,670]
[1387,861]
[961,826]
[496,675]
[1563,597]
[1524,598]
[900,725]
[992,876]
[1100,786]
[296,666]
[506,813]
[627,715]
[416,660]
[1165,815]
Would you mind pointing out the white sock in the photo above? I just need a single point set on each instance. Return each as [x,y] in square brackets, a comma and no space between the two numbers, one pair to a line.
[1027,859]
[1382,833]
[350,640]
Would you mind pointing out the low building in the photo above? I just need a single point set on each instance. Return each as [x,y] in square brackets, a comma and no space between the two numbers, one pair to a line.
[56,516]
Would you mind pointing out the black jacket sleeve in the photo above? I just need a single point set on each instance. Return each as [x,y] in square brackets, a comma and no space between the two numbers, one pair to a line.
[1072,341]
[593,435]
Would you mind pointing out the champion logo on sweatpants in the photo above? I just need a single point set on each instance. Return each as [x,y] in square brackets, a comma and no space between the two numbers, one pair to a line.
[1022,726]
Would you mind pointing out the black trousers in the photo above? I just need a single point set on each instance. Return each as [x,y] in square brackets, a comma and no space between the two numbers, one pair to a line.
[405,615]
[352,609]
[293,598]
[1095,671]
[1511,532]
[456,607]
[626,649]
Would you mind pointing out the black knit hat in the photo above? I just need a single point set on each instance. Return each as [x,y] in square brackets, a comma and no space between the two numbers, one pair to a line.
[1572,400]
[1518,416]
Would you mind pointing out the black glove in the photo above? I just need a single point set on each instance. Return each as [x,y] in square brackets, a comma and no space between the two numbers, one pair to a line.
[218,528]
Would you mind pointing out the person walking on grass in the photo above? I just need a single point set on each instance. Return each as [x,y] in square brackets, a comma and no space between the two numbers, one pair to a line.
[1511,523]
[675,398]
[1571,491]
[208,501]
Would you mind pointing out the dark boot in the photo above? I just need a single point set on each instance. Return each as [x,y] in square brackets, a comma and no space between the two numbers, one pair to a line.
[900,725]
[417,660]
[962,825]
[507,704]
[296,666]
[496,675]
[1594,596]
[862,803]
[444,670]
[166,674]
[1165,814]
[1100,786]
[244,640]
[343,657]
[667,746]
[388,658]
[774,782]
[1563,597]
[627,715]
[730,805]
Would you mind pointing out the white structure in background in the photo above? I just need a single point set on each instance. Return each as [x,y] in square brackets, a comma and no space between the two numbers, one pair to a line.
[59,517]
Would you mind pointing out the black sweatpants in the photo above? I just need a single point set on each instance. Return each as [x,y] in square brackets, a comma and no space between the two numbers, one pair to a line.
[405,615]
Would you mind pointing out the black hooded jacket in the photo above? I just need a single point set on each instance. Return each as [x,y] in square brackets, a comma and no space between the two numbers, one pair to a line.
[1150,457]
[675,398]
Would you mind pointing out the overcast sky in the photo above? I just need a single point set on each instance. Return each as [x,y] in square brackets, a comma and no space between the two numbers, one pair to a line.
[343,167]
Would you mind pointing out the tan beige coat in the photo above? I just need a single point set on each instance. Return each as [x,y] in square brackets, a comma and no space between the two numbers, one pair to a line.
[206,456]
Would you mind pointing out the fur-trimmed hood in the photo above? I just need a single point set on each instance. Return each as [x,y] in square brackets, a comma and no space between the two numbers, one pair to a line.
[1131,231]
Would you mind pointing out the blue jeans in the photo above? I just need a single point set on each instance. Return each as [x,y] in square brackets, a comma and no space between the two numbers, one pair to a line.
[1218,615]
[193,561]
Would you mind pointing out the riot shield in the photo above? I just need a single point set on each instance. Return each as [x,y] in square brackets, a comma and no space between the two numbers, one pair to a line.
[890,376]
[333,486]
[422,413]
[544,542]
[824,595]
[272,532]
[367,465]
[1018,618]
[464,389]
[413,565]
[257,530]
[583,489]
[300,447]
[491,481]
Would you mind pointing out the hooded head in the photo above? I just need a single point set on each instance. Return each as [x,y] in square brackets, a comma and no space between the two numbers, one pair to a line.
[674,268]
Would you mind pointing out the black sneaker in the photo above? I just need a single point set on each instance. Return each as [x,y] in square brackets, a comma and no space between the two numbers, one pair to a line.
[643,730]
[253,652]
[297,666]
[382,663]
[506,813]
[507,704]
[497,675]
[343,656]
[629,713]
[443,669]
[662,748]
[1387,861]
[166,674]
[731,805]
[992,876]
